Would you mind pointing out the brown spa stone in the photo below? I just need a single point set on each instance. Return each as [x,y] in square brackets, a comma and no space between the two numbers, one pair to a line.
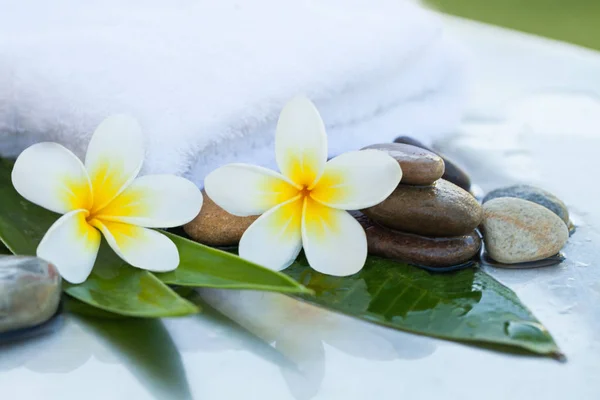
[215,226]
[419,250]
[452,173]
[440,210]
[419,166]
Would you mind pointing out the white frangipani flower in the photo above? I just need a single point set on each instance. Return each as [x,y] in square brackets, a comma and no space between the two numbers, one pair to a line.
[103,196]
[304,205]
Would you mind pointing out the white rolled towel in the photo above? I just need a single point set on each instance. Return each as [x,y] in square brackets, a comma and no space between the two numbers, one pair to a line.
[206,79]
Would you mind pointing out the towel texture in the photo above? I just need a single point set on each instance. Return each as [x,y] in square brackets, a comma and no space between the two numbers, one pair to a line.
[207,79]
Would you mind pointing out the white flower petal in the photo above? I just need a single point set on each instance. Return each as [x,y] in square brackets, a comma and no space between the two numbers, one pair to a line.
[141,247]
[72,245]
[357,179]
[52,177]
[155,201]
[114,157]
[334,242]
[244,190]
[301,142]
[274,240]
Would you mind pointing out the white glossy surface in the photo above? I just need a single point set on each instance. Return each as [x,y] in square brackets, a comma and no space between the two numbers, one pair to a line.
[534,118]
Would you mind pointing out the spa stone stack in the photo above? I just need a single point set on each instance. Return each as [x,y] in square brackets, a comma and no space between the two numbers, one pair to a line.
[427,220]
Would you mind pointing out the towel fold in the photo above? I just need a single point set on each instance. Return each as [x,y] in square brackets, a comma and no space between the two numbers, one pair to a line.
[206,79]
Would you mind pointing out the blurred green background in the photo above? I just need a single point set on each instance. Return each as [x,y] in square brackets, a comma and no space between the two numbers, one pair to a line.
[575,21]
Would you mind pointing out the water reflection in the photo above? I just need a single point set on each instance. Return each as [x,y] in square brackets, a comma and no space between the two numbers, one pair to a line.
[301,333]
[143,346]
[293,335]
[546,262]
[285,332]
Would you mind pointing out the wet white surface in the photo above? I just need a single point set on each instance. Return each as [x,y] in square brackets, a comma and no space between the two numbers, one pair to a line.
[534,118]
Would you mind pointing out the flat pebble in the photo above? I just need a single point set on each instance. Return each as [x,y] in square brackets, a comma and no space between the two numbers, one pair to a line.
[419,250]
[419,166]
[440,210]
[452,173]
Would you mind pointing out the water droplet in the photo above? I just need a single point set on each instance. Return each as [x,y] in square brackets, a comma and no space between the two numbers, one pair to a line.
[524,330]
[581,264]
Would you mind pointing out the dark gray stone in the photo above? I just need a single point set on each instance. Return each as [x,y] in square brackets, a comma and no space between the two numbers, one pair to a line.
[535,195]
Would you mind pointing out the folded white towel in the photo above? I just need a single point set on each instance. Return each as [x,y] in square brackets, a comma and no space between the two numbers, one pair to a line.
[207,79]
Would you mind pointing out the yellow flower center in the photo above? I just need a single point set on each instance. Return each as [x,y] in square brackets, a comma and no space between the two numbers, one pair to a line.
[305,191]
[90,216]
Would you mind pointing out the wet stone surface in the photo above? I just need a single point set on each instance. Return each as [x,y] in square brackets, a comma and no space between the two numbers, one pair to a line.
[419,250]
[30,291]
[440,210]
[419,166]
[216,227]
[452,173]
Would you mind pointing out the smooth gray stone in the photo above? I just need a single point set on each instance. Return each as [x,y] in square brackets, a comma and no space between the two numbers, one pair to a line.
[533,194]
[517,231]
[30,291]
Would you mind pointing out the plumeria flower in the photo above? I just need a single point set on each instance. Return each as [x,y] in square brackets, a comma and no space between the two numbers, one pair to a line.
[103,196]
[303,207]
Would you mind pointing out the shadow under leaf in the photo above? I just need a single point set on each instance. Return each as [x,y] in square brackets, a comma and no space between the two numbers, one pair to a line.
[147,351]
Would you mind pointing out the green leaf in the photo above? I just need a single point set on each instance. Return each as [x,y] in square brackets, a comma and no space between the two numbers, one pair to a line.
[207,267]
[113,285]
[117,287]
[467,305]
[73,306]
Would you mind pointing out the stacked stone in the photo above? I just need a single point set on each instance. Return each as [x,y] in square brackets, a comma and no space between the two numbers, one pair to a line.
[427,220]
[431,218]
